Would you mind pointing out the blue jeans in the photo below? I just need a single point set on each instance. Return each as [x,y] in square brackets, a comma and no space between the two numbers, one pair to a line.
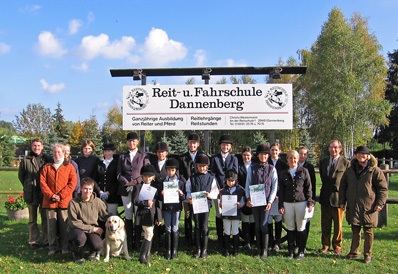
[171,220]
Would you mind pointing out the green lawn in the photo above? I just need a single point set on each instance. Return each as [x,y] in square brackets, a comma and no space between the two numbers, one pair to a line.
[16,256]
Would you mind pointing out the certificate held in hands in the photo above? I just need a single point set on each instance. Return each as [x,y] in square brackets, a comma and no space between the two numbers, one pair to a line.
[170,190]
[229,205]
[257,195]
[199,202]
[147,192]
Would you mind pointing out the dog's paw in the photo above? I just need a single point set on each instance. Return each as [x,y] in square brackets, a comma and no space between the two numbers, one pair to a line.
[128,258]
[106,259]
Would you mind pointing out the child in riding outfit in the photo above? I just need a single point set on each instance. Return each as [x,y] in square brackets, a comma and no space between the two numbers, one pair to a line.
[231,223]
[148,212]
[202,181]
[171,211]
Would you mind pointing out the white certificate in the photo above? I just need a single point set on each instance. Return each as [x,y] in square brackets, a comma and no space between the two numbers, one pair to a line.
[199,202]
[257,195]
[147,192]
[229,206]
[170,190]
[274,209]
[307,214]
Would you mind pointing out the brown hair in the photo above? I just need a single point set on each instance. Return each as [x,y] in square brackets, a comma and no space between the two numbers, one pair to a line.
[302,147]
[87,143]
[275,145]
[36,140]
[87,181]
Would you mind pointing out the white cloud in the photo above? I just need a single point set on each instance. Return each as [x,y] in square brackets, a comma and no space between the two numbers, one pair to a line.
[159,50]
[4,48]
[74,26]
[48,45]
[30,9]
[83,67]
[200,56]
[53,88]
[94,46]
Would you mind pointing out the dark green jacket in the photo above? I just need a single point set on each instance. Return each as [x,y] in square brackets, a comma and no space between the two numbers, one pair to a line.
[29,176]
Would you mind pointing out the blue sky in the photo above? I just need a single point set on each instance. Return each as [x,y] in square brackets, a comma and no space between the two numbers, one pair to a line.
[61,51]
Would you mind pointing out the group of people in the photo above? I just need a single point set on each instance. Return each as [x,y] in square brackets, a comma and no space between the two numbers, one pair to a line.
[252,197]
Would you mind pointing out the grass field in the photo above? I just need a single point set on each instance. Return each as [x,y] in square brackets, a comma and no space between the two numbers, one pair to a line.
[16,255]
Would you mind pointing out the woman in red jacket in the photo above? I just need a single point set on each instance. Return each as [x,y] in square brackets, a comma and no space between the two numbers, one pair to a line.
[57,181]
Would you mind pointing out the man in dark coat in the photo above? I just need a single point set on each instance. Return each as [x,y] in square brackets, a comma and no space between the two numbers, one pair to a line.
[29,176]
[331,170]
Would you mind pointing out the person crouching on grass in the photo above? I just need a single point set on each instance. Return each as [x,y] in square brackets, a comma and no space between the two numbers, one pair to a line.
[148,212]
[231,223]
[171,211]
[84,211]
[202,181]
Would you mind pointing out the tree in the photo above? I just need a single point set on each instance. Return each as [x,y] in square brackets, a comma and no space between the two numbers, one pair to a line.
[76,135]
[7,151]
[91,131]
[389,133]
[34,121]
[60,126]
[344,84]
[178,142]
[6,128]
[112,129]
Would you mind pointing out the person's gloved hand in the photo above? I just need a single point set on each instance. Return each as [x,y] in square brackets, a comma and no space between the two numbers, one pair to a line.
[104,196]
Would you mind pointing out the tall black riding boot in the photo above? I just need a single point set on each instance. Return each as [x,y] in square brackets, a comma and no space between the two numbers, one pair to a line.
[302,243]
[174,244]
[290,244]
[259,242]
[278,236]
[246,234]
[128,224]
[226,244]
[144,251]
[167,242]
[188,232]
[198,243]
[148,253]
[271,235]
[235,251]
[264,251]
[252,229]
[205,241]
[220,233]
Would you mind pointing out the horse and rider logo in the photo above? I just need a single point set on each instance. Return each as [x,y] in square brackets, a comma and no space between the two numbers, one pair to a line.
[276,97]
[137,98]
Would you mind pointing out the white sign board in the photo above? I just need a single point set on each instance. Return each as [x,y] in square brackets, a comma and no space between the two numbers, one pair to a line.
[205,107]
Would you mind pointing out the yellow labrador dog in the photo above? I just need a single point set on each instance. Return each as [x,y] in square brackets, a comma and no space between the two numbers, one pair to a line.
[115,241]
